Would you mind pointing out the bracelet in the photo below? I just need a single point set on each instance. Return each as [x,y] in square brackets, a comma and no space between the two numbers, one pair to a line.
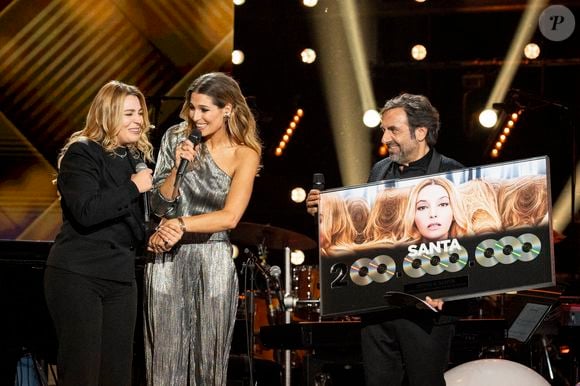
[182,224]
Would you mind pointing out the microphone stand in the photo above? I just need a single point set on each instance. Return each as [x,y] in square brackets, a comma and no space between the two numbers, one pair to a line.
[250,265]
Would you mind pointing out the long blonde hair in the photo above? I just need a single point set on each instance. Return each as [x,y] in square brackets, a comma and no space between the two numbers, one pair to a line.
[460,225]
[386,218]
[104,119]
[480,201]
[336,227]
[523,201]
[223,89]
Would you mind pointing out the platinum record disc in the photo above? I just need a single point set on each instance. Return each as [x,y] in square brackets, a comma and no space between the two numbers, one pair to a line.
[531,246]
[382,268]
[412,266]
[432,264]
[485,253]
[509,250]
[359,272]
[456,260]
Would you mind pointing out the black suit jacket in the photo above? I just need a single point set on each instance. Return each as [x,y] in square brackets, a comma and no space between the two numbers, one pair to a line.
[102,215]
[382,170]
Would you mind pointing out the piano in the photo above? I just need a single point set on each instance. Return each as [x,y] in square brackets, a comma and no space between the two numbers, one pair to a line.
[26,326]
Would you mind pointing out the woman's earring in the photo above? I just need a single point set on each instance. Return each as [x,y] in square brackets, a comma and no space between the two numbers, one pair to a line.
[227,115]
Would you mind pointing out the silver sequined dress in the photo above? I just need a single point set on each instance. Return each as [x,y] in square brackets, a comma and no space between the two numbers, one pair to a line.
[190,293]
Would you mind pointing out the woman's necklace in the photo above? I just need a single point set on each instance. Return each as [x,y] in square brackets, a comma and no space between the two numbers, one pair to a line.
[122,155]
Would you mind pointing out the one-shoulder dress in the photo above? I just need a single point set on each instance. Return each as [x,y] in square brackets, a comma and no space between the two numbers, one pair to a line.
[190,293]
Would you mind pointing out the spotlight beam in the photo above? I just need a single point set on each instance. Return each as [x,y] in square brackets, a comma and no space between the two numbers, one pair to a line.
[343,70]
[525,30]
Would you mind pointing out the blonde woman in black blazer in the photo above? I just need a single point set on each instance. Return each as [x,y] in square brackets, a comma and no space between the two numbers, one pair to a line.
[90,283]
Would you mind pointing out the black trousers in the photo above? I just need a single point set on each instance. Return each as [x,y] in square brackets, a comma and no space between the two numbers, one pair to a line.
[406,348]
[95,323]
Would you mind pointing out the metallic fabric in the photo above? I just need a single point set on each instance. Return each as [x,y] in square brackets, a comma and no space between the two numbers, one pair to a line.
[191,293]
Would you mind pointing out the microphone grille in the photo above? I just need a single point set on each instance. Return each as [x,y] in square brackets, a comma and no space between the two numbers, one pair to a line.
[275,271]
[195,136]
[140,166]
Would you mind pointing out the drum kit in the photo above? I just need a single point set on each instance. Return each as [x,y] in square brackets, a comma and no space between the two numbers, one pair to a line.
[271,304]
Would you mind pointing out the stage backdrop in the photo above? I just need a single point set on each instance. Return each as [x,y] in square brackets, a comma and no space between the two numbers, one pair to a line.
[471,232]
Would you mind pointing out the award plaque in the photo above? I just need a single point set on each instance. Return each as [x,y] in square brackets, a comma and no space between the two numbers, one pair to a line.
[470,232]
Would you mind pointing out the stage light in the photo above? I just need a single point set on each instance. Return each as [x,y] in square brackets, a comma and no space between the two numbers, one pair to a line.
[383,150]
[419,52]
[238,57]
[532,51]
[488,118]
[298,195]
[310,3]
[308,55]
[297,257]
[289,131]
[371,118]
[239,2]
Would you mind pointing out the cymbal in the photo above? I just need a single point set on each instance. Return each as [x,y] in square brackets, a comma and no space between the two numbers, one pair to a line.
[269,236]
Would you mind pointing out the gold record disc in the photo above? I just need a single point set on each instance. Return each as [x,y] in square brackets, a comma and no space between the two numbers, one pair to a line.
[531,246]
[509,250]
[412,266]
[485,253]
[359,272]
[456,260]
[382,268]
[432,264]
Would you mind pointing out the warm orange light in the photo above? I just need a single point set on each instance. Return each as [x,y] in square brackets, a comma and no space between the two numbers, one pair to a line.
[296,118]
[278,151]
[282,144]
[494,153]
[510,123]
[506,130]
[502,138]
[515,117]
[383,150]
[498,145]
[285,137]
[293,125]
[565,349]
[300,112]
[289,131]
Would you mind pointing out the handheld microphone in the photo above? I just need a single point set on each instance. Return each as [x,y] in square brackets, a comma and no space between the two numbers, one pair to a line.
[275,272]
[195,138]
[139,167]
[318,181]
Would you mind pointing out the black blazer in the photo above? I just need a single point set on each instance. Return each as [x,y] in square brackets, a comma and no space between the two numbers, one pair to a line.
[439,163]
[102,215]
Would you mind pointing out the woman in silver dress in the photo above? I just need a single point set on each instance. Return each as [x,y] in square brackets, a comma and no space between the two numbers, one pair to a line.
[191,288]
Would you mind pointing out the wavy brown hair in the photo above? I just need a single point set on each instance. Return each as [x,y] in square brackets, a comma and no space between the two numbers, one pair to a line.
[223,89]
